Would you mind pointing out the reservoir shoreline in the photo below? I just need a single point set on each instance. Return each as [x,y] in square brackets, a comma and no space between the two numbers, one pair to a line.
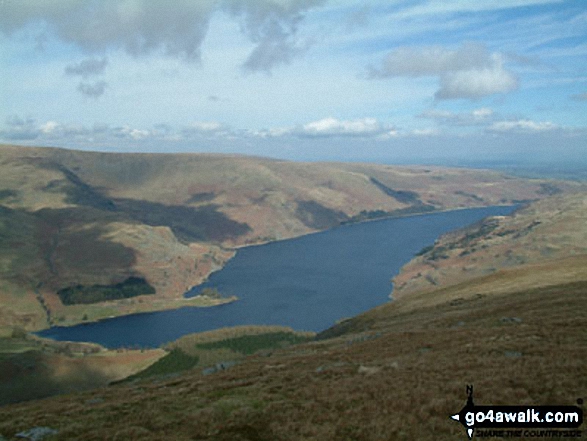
[365,250]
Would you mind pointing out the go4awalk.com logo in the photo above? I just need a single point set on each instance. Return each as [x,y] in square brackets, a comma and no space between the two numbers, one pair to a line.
[518,421]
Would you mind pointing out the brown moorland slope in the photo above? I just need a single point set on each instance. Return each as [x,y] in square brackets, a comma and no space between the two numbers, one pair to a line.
[87,222]
[554,228]
[35,368]
[396,372]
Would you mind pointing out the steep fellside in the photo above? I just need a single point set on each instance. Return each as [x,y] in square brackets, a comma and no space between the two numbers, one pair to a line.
[551,229]
[77,220]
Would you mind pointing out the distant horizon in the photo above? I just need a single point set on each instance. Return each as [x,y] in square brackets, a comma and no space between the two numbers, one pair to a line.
[572,170]
[307,80]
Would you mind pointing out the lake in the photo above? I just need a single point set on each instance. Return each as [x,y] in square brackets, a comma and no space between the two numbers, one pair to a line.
[307,283]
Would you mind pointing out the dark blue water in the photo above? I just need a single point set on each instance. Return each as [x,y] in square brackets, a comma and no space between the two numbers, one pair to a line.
[307,283]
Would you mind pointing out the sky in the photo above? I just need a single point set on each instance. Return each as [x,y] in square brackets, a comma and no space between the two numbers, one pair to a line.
[391,81]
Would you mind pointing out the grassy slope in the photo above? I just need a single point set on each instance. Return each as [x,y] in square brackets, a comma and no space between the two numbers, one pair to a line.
[553,228]
[215,350]
[396,372]
[33,368]
[70,218]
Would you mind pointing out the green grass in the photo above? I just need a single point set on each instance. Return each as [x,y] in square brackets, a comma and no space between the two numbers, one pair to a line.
[210,353]
[175,361]
[249,344]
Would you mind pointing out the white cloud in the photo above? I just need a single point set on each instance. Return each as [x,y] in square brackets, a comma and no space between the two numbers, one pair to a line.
[135,134]
[425,132]
[330,127]
[335,127]
[482,113]
[274,132]
[272,25]
[482,116]
[435,8]
[141,27]
[206,126]
[49,127]
[470,71]
[29,129]
[523,125]
[432,60]
[476,83]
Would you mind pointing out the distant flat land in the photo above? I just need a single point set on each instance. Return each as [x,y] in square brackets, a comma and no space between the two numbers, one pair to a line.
[82,219]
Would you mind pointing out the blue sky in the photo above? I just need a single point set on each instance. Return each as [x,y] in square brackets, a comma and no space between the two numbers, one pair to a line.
[388,81]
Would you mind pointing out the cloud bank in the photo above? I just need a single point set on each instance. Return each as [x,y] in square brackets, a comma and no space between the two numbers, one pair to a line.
[469,72]
[141,27]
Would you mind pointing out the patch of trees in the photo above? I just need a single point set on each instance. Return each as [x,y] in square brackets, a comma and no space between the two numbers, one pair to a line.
[80,294]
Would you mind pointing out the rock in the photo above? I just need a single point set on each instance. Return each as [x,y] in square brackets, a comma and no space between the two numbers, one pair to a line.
[96,400]
[223,365]
[511,320]
[274,366]
[369,370]
[37,433]
[208,371]
[394,365]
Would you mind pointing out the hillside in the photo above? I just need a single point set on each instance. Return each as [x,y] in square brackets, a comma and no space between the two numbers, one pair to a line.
[34,368]
[548,230]
[396,372]
[122,233]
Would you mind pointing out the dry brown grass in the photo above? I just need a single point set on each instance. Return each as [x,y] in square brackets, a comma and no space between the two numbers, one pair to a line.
[33,368]
[542,232]
[399,375]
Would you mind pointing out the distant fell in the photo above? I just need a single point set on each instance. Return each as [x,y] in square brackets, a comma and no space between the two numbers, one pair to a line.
[87,219]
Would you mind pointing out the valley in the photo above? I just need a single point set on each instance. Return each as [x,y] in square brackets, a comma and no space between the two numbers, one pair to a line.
[293,220]
[499,304]
[517,333]
[81,219]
